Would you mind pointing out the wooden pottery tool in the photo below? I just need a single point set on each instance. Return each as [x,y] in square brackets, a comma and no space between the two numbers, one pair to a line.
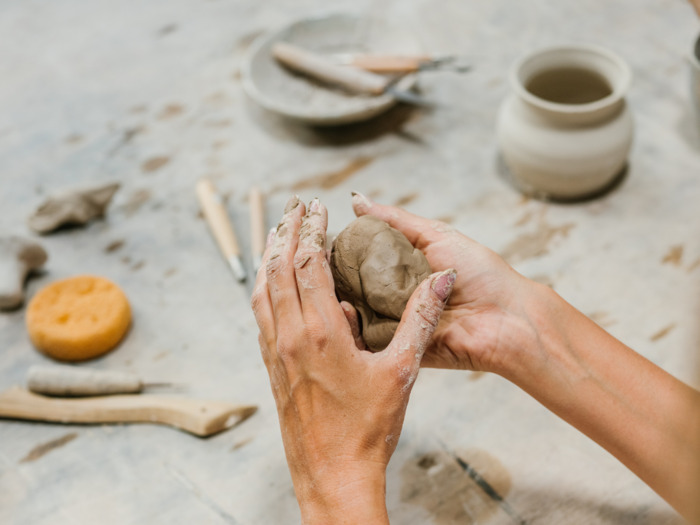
[221,227]
[73,381]
[201,418]
[350,78]
[257,225]
[402,64]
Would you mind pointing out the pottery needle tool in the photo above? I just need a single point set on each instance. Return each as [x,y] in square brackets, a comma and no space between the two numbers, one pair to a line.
[257,225]
[352,79]
[221,227]
[402,64]
[73,381]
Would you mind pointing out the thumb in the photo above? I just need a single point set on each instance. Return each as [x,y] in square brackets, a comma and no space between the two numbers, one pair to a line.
[418,323]
[419,231]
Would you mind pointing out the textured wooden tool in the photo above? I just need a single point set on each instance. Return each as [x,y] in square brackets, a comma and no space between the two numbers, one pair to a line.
[202,418]
[353,79]
[220,225]
[402,64]
[388,63]
[350,78]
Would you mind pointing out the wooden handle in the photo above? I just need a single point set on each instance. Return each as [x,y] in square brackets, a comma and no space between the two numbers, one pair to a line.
[351,78]
[257,225]
[217,218]
[389,63]
[201,418]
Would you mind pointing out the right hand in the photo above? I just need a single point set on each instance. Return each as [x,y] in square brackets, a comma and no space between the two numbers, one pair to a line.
[485,321]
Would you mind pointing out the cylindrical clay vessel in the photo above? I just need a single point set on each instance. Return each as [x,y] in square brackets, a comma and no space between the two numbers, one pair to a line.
[565,131]
[695,80]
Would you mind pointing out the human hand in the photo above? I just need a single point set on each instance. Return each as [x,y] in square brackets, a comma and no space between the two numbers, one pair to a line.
[340,408]
[485,321]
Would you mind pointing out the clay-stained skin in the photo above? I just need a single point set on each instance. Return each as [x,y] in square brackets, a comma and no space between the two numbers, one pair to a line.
[376,269]
[72,208]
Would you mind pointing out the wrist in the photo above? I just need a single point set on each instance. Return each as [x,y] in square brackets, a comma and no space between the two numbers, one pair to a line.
[348,496]
[523,320]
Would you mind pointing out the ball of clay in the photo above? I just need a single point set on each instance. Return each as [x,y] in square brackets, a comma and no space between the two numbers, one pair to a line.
[78,318]
[376,269]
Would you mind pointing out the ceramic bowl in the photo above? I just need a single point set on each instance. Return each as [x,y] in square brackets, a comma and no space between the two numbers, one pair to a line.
[279,90]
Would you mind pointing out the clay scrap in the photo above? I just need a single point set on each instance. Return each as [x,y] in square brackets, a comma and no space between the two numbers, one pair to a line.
[376,269]
[18,257]
[72,208]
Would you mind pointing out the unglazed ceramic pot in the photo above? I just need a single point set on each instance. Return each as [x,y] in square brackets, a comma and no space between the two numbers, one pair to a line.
[565,131]
[695,80]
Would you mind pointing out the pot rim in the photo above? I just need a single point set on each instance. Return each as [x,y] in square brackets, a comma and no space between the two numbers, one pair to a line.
[695,54]
[618,90]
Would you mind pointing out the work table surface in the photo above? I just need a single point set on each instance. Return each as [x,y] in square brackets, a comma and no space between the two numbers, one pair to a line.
[150,94]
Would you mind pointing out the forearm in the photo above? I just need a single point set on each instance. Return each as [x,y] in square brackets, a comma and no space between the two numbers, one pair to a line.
[642,415]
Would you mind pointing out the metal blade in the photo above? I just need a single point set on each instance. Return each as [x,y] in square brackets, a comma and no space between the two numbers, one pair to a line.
[410,97]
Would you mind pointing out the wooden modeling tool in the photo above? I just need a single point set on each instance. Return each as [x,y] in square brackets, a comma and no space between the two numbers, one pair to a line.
[221,227]
[352,79]
[402,64]
[201,418]
[257,226]
[73,381]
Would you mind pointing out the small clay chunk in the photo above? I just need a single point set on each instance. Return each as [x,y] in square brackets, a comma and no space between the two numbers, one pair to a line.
[376,269]
[78,318]
[18,257]
[73,208]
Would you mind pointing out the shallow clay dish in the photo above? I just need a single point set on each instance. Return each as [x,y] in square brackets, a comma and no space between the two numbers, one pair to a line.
[295,96]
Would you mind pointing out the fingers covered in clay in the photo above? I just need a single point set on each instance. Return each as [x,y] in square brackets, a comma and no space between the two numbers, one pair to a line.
[310,263]
[418,230]
[353,320]
[280,265]
[419,322]
[260,300]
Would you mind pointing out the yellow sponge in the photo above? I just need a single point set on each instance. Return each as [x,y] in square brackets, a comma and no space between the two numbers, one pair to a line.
[78,318]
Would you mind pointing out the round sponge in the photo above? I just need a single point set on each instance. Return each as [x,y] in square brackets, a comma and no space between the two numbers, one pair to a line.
[78,318]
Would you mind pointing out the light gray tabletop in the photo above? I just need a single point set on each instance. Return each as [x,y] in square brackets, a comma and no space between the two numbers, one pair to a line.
[150,94]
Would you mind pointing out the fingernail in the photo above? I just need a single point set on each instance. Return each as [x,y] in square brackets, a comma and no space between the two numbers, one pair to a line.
[270,236]
[292,203]
[314,205]
[361,200]
[443,282]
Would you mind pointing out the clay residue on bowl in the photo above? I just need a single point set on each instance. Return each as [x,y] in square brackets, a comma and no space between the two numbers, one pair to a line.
[280,90]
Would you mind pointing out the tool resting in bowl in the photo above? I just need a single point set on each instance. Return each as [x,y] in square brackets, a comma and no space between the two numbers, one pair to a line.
[350,78]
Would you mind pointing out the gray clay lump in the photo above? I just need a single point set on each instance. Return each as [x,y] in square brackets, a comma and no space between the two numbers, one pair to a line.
[376,269]
[72,208]
[18,257]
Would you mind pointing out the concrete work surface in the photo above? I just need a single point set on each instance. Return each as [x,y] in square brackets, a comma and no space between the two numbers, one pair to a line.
[150,94]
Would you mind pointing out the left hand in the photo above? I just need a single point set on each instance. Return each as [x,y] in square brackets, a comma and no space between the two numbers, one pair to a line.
[340,408]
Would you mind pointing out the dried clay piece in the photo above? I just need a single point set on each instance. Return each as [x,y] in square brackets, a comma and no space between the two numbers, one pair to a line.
[376,269]
[18,257]
[73,208]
